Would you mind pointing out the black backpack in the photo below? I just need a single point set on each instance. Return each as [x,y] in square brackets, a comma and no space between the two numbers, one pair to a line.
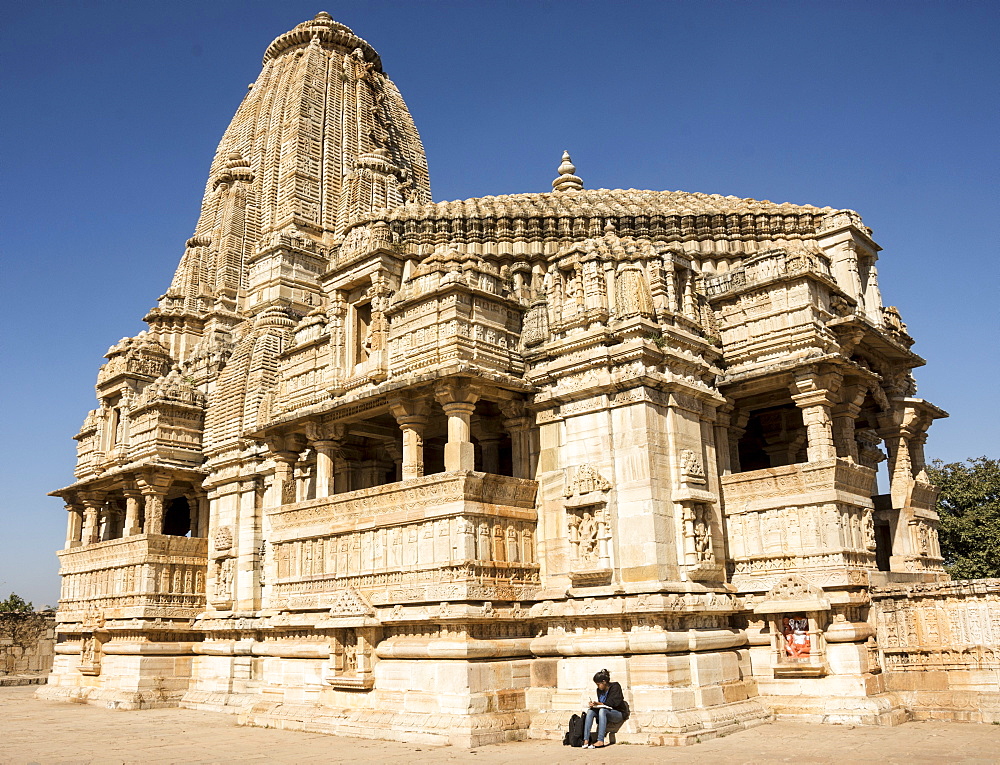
[574,734]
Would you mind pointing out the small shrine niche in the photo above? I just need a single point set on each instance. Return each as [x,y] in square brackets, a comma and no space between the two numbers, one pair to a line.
[797,613]
[588,527]
[223,569]
[354,633]
[90,654]
[92,642]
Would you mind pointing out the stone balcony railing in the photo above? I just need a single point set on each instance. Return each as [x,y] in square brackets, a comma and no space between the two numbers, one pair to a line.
[945,625]
[769,486]
[448,536]
[814,516]
[141,576]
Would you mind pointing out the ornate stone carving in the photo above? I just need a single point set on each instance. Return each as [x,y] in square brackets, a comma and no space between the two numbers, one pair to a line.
[585,480]
[223,539]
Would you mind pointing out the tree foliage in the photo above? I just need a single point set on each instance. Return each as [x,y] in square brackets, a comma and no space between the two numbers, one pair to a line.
[20,626]
[15,604]
[969,506]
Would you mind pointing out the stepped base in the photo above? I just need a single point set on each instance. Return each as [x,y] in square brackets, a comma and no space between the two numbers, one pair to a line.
[662,728]
[465,731]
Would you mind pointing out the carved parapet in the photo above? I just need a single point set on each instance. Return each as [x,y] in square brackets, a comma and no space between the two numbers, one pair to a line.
[830,479]
[812,517]
[451,536]
[939,626]
[142,576]
[766,267]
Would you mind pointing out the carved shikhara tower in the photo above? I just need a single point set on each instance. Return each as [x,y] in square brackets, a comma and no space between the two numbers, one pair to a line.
[400,469]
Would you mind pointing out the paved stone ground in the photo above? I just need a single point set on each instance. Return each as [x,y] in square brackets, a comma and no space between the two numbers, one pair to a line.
[47,732]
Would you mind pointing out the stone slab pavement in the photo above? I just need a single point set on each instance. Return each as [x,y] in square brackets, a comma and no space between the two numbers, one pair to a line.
[48,732]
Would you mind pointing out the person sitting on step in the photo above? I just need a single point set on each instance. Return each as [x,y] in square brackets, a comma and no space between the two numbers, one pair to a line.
[610,708]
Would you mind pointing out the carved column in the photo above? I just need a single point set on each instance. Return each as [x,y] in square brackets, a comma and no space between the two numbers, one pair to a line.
[154,490]
[342,470]
[411,414]
[844,416]
[813,394]
[325,451]
[284,477]
[203,513]
[74,525]
[93,503]
[337,368]
[738,420]
[873,296]
[458,400]
[153,501]
[133,506]
[918,463]
[517,423]
[845,270]
[721,431]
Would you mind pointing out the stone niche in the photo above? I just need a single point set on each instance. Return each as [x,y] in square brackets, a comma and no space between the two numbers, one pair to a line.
[588,526]
[797,615]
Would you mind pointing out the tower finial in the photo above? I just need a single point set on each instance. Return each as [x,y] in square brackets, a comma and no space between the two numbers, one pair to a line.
[567,181]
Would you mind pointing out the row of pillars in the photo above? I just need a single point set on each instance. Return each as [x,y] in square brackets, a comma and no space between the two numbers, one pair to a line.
[830,409]
[457,398]
[92,518]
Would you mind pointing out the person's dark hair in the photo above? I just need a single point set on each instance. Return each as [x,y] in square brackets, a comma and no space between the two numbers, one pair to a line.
[602,677]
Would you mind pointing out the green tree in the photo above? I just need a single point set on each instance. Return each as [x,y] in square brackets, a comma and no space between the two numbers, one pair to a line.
[969,506]
[20,627]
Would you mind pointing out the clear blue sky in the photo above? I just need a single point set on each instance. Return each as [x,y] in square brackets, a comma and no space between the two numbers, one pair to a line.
[112,110]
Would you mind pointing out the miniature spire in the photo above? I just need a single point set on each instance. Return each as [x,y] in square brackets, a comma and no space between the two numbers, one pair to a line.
[566,180]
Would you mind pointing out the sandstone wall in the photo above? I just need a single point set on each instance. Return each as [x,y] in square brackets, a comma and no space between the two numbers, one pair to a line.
[32,659]
[940,647]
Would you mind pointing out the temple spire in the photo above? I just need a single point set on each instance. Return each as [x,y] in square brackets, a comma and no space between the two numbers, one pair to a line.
[567,181]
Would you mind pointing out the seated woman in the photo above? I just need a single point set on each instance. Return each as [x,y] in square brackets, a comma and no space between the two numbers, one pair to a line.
[610,708]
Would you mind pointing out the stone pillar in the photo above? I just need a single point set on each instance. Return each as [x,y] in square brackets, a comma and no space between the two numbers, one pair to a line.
[341,471]
[813,394]
[873,296]
[74,525]
[490,449]
[411,414]
[93,503]
[283,488]
[918,462]
[845,414]
[738,420]
[203,510]
[154,490]
[517,423]
[153,501]
[458,400]
[720,430]
[325,451]
[133,504]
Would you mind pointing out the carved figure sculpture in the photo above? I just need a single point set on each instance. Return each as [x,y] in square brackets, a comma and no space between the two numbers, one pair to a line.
[795,631]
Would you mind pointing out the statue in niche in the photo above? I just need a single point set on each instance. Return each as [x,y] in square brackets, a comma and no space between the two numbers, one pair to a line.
[632,295]
[587,545]
[868,527]
[795,631]
[703,535]
[924,538]
[350,657]
[224,578]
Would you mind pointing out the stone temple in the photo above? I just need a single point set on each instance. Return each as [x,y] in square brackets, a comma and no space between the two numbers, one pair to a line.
[393,468]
